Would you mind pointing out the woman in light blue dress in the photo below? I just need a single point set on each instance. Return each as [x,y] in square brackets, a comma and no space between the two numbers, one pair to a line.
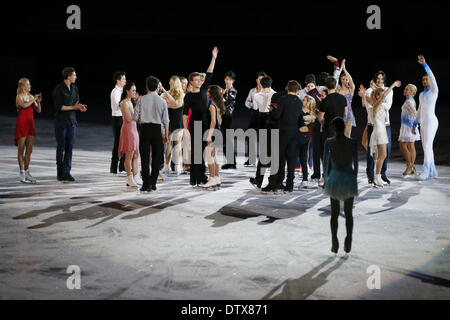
[341,171]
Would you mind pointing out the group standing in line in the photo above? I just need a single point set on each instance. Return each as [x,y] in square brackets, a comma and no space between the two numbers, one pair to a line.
[317,118]
[189,100]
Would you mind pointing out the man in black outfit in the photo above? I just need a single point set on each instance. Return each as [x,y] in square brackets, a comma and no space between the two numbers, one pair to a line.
[197,101]
[334,105]
[151,111]
[270,124]
[288,113]
[66,101]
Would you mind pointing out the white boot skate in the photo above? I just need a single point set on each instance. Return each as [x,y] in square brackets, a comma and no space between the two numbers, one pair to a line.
[23,178]
[137,179]
[377,181]
[130,182]
[210,184]
[29,177]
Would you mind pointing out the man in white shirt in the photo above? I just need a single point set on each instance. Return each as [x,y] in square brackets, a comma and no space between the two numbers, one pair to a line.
[253,121]
[261,101]
[379,81]
[120,80]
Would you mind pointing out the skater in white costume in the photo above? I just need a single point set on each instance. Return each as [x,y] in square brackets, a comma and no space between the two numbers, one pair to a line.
[379,137]
[427,120]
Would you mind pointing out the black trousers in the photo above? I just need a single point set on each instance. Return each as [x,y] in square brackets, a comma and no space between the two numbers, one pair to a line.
[288,154]
[197,172]
[303,145]
[150,136]
[227,123]
[253,124]
[261,168]
[317,146]
[116,124]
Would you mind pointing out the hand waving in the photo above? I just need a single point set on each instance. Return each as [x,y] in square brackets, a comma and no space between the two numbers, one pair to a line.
[332,59]
[362,91]
[214,52]
[421,59]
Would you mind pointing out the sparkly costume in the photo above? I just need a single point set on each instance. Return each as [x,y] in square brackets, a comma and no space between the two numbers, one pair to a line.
[408,118]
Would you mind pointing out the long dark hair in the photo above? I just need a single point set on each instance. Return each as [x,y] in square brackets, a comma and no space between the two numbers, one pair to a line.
[217,98]
[126,88]
[341,147]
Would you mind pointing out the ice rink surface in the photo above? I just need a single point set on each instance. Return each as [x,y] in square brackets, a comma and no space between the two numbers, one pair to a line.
[234,243]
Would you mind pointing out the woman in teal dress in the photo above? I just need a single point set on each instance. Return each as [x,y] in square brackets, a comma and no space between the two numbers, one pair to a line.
[341,172]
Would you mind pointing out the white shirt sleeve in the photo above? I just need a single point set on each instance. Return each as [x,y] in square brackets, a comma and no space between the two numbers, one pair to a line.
[115,103]
[249,101]
[387,102]
[433,85]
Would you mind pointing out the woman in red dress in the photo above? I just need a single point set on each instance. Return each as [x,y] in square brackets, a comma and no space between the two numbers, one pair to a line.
[24,138]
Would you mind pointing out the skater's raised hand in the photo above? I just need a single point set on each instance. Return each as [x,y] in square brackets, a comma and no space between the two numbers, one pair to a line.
[332,59]
[214,52]
[421,59]
[362,91]
[397,83]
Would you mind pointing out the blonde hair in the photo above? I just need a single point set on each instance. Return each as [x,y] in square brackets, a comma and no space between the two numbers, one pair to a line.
[413,88]
[176,90]
[21,88]
[195,74]
[374,94]
[310,105]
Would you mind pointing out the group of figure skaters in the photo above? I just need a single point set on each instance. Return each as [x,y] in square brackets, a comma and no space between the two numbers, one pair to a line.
[314,123]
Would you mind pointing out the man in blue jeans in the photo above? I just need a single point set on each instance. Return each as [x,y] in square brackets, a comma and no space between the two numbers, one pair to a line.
[379,81]
[66,102]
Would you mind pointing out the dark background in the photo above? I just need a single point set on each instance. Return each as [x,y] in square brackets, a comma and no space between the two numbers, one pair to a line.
[285,39]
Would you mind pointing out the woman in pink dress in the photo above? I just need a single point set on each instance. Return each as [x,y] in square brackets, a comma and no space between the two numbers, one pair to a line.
[129,138]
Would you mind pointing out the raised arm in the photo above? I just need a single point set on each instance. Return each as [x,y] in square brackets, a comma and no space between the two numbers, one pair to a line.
[352,84]
[433,84]
[362,94]
[388,91]
[337,70]
[213,60]
[171,103]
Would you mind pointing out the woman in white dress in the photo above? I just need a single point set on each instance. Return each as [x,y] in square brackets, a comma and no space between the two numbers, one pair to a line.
[379,138]
[407,137]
